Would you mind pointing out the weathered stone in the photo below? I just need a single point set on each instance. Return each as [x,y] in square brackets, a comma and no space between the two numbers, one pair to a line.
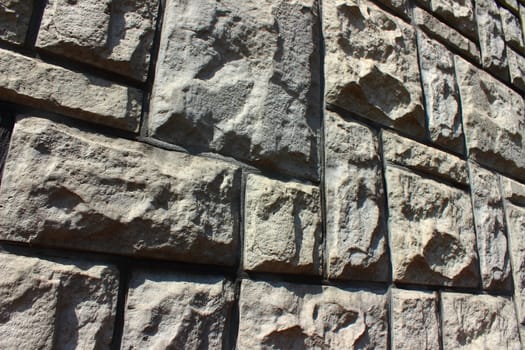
[513,191]
[512,29]
[491,38]
[57,304]
[493,120]
[6,128]
[490,229]
[421,158]
[478,322]
[242,80]
[116,35]
[14,20]
[458,13]
[356,243]
[400,7]
[415,322]
[516,69]
[431,231]
[441,31]
[282,231]
[28,81]
[176,311]
[441,94]
[522,19]
[371,65]
[286,316]
[69,188]
[512,4]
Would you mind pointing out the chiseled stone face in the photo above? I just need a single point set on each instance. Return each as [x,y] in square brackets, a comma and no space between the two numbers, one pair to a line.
[57,304]
[356,243]
[512,30]
[176,311]
[241,78]
[457,13]
[516,69]
[371,65]
[116,35]
[478,322]
[14,20]
[69,188]
[288,316]
[282,231]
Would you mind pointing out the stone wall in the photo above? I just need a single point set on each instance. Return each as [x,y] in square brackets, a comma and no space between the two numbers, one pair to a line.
[262,174]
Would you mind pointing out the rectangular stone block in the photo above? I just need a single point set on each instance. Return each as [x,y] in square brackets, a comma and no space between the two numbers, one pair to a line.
[241,79]
[415,322]
[177,311]
[356,240]
[56,304]
[516,69]
[116,35]
[371,65]
[478,322]
[457,13]
[69,188]
[14,20]
[493,120]
[294,316]
[282,230]
[512,30]
[29,81]
[432,239]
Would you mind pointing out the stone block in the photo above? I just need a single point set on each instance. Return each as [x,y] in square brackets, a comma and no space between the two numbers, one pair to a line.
[457,13]
[286,316]
[512,30]
[243,80]
[14,20]
[282,231]
[115,35]
[69,188]
[177,311]
[371,65]
[356,241]
[516,69]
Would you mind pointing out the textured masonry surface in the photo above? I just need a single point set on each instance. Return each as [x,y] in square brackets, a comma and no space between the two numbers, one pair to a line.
[277,174]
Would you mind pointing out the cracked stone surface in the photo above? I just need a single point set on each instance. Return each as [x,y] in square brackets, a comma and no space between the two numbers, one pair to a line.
[512,30]
[457,13]
[242,80]
[516,69]
[282,226]
[69,188]
[14,20]
[371,65]
[356,242]
[56,304]
[177,311]
[294,316]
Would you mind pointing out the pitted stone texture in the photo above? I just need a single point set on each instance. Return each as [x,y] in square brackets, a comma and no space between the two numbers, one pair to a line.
[415,322]
[512,4]
[371,65]
[516,69]
[14,20]
[431,231]
[69,188]
[491,38]
[421,158]
[287,316]
[282,230]
[116,35]
[457,13]
[241,78]
[512,30]
[478,322]
[400,7]
[513,191]
[493,120]
[441,94]
[31,82]
[56,304]
[176,311]
[356,242]
[490,229]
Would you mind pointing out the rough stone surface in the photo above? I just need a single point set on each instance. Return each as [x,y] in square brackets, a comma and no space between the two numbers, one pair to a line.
[441,94]
[68,188]
[415,322]
[242,80]
[56,304]
[421,158]
[478,322]
[513,191]
[26,80]
[14,20]
[491,38]
[431,231]
[282,231]
[356,243]
[512,4]
[176,311]
[371,65]
[116,35]
[516,69]
[458,13]
[490,229]
[400,7]
[512,29]
[286,316]
[493,120]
